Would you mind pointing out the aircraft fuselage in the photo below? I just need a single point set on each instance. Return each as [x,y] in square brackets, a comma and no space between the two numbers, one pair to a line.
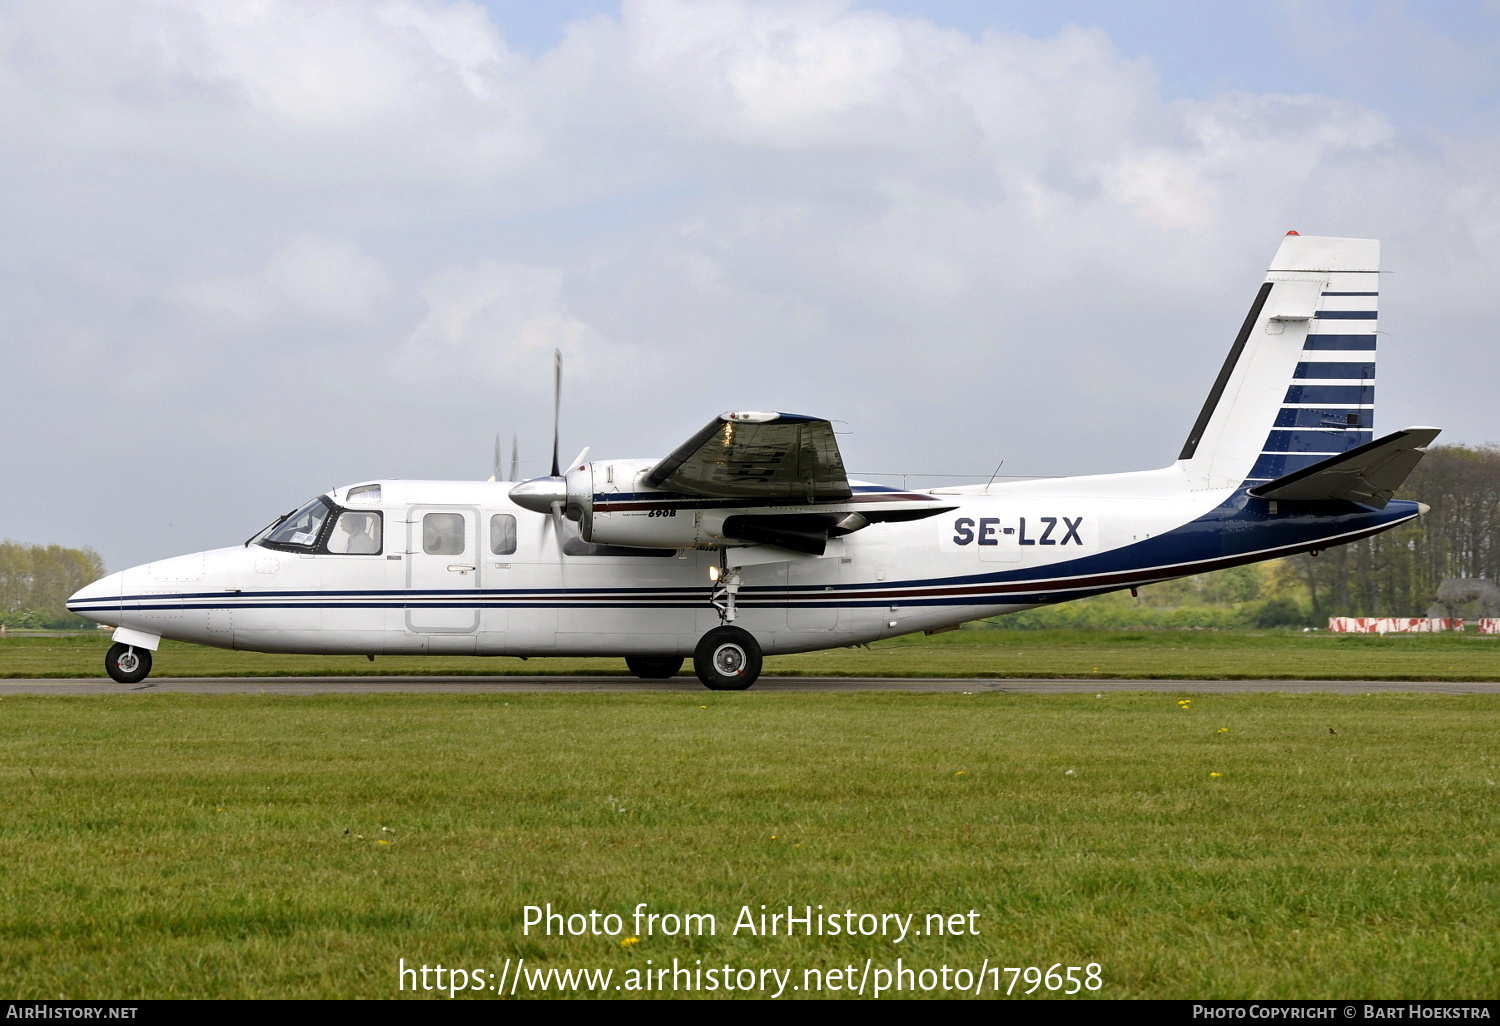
[1011,546]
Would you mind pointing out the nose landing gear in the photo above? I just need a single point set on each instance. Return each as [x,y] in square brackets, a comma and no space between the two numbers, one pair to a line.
[127,664]
[727,659]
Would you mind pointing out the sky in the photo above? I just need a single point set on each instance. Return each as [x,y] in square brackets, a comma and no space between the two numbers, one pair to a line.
[254,249]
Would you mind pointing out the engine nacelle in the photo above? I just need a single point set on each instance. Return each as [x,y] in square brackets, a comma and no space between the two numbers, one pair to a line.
[623,509]
[616,507]
[613,505]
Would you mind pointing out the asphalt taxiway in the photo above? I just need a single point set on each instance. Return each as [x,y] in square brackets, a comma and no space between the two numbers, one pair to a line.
[622,684]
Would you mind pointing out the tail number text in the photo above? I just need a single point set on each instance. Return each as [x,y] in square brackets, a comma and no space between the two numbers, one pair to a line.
[1040,531]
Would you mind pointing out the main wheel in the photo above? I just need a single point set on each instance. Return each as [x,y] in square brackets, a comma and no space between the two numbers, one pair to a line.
[727,659]
[127,664]
[654,667]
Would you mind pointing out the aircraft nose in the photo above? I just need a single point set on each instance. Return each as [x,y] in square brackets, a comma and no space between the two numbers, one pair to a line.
[99,600]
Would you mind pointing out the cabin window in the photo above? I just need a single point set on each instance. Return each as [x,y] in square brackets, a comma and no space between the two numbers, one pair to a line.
[443,534]
[300,529]
[502,534]
[356,534]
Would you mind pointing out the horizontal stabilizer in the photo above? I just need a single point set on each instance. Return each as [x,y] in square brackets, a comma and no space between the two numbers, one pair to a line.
[1369,474]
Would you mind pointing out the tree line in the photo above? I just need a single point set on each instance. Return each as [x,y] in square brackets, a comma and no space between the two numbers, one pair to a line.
[1402,572]
[36,580]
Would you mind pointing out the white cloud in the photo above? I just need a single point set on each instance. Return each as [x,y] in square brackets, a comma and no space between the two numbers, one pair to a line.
[309,279]
[505,318]
[274,88]
[264,213]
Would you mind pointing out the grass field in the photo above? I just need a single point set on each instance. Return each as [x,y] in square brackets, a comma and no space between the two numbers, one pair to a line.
[1143,654]
[162,845]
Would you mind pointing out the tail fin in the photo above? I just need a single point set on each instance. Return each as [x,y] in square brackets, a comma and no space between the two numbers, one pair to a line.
[1299,382]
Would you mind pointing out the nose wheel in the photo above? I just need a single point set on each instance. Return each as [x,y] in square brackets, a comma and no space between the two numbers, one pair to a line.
[727,659]
[127,664]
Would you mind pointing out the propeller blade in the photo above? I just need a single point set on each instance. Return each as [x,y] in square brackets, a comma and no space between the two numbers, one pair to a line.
[556,405]
[578,460]
[495,468]
[515,458]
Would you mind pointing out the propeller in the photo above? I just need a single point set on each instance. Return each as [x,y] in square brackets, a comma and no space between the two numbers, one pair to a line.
[556,405]
[549,494]
[495,467]
[515,458]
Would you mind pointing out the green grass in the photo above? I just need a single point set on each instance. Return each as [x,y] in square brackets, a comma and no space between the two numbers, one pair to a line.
[159,845]
[1141,654]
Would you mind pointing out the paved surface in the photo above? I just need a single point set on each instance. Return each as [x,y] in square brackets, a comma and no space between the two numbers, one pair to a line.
[472,685]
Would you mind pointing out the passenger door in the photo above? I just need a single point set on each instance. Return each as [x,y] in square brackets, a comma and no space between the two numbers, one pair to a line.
[442,569]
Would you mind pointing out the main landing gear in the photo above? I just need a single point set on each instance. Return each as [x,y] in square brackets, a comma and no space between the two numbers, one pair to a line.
[127,664]
[654,667]
[727,659]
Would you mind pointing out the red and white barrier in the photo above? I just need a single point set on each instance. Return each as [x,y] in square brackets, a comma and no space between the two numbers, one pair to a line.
[1400,625]
[1489,625]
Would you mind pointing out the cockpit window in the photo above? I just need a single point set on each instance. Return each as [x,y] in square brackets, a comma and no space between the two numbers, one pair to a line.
[300,530]
[364,495]
[355,534]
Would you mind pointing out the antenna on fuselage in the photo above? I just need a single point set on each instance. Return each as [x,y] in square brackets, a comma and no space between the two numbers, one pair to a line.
[993,476]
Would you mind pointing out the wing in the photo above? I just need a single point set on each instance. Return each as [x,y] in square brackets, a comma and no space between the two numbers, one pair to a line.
[1369,474]
[758,456]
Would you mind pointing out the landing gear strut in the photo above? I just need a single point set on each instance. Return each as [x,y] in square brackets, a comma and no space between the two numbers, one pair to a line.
[127,664]
[726,588]
[654,667]
[727,659]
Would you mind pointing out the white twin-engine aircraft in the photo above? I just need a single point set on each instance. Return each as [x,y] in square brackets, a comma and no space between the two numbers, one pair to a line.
[750,539]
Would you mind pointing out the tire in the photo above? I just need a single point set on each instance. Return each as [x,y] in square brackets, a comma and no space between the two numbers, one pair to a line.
[727,659]
[654,667]
[127,664]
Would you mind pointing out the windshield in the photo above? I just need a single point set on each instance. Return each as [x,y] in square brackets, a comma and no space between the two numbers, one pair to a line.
[300,529]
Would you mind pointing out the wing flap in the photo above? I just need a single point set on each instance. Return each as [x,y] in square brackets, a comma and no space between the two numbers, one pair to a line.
[1369,474]
[778,456]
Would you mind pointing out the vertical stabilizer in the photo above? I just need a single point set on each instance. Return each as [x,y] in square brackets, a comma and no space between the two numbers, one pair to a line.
[1299,382]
